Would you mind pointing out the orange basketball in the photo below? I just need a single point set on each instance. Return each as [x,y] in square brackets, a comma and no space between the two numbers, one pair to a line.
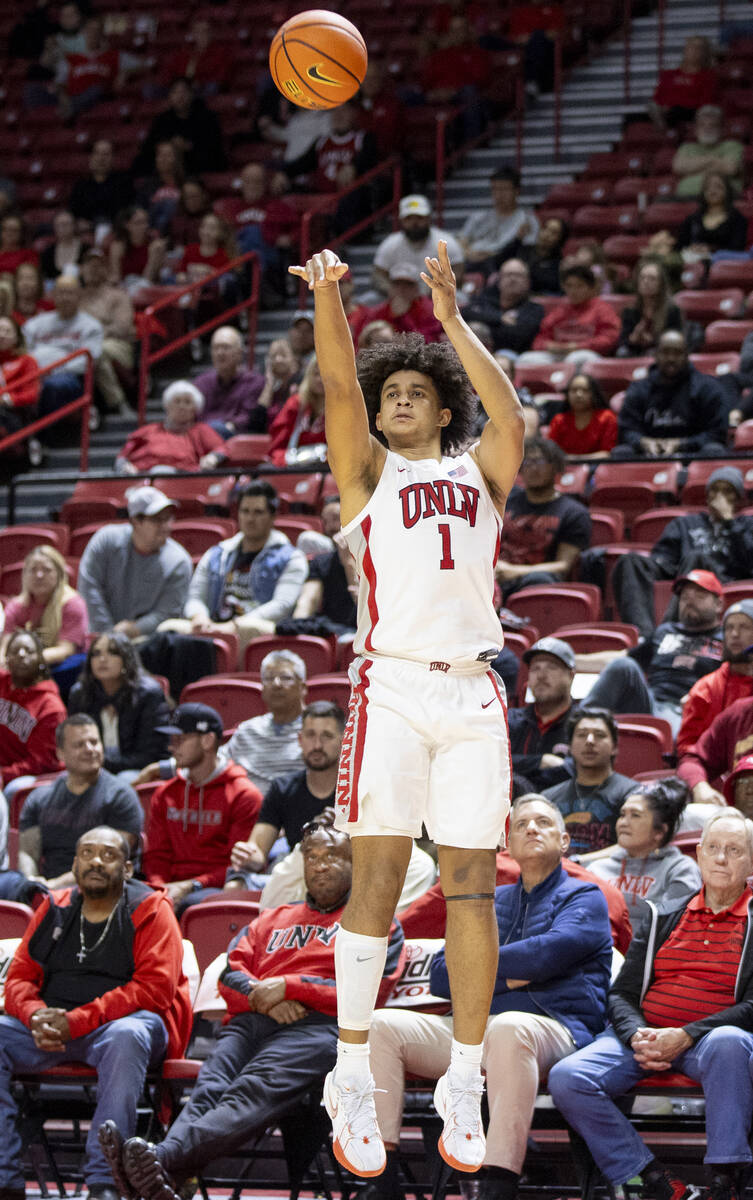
[318,59]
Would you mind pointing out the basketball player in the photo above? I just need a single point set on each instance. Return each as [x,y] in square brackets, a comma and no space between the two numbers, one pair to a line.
[426,739]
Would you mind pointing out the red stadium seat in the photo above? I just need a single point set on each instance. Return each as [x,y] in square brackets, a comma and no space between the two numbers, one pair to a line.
[744,436]
[575,195]
[625,248]
[212,926]
[197,536]
[635,487]
[599,635]
[599,220]
[247,449]
[694,489]
[17,540]
[615,163]
[642,742]
[649,526]
[741,589]
[574,479]
[334,687]
[14,918]
[710,304]
[607,525]
[553,378]
[293,526]
[226,650]
[318,653]
[731,274]
[716,364]
[298,491]
[235,700]
[194,496]
[667,214]
[616,374]
[82,534]
[726,335]
[551,605]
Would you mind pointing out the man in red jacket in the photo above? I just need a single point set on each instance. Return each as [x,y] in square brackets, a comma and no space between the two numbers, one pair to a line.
[714,693]
[279,984]
[196,818]
[581,328]
[97,978]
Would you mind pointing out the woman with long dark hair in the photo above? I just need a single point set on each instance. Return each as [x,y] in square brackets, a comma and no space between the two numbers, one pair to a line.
[716,224]
[652,314]
[587,427]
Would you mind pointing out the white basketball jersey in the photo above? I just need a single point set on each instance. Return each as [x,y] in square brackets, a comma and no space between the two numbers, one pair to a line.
[425,546]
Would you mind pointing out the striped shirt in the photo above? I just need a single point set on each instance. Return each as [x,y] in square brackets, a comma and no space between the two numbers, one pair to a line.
[696,968]
[265,749]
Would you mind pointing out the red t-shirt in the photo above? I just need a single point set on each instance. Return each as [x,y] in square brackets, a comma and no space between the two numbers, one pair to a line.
[91,70]
[74,619]
[685,89]
[19,379]
[153,445]
[194,254]
[599,434]
[10,260]
[275,217]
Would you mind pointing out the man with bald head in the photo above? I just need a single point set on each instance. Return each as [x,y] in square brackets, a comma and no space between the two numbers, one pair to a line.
[231,389]
[51,336]
[279,986]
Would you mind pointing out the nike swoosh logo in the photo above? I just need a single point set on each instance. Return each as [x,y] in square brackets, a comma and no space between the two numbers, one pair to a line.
[315,72]
[401,470]
[367,958]
[489,702]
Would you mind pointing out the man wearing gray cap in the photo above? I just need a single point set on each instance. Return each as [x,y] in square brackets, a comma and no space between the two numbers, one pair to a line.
[732,681]
[415,239]
[718,540]
[538,731]
[132,577]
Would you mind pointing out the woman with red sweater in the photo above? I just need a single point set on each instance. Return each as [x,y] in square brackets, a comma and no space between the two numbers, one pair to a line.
[181,442]
[19,382]
[298,432]
[588,427]
[13,252]
[30,712]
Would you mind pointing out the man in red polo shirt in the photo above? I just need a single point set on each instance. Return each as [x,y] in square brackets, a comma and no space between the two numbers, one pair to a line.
[683,1001]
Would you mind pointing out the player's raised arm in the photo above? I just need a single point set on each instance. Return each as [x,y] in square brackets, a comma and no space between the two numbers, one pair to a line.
[500,449]
[354,455]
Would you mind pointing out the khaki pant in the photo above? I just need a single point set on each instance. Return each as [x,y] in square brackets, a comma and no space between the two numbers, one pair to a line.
[105,376]
[519,1048]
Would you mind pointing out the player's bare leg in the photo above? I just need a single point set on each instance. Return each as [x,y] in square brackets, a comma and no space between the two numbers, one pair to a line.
[379,867]
[472,952]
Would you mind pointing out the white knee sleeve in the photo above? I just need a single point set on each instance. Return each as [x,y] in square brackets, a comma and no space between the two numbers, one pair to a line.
[359,966]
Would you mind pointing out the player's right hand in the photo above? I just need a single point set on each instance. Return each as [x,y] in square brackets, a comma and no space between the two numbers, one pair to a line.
[321,270]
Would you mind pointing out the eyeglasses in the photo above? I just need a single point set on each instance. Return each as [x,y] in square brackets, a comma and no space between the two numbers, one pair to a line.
[285,680]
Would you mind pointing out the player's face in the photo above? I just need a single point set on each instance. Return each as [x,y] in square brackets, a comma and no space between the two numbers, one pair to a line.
[410,413]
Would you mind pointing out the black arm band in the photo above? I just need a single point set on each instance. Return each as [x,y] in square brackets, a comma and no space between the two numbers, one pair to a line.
[472,896]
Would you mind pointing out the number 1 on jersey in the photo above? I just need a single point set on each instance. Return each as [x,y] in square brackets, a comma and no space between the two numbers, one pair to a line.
[446,562]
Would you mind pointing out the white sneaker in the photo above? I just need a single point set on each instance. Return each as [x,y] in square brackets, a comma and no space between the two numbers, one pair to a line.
[356,1140]
[462,1143]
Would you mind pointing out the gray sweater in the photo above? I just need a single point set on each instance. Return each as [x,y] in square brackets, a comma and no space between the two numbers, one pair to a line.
[119,584]
[664,878]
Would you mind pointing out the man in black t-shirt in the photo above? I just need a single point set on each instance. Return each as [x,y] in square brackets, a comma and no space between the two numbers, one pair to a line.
[543,531]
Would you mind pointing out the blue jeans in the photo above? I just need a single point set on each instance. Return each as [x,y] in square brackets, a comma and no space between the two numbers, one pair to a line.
[622,688]
[122,1051]
[583,1084]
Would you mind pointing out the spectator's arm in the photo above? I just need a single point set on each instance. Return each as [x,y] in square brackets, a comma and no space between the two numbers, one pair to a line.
[310,599]
[624,1002]
[197,603]
[631,423]
[171,600]
[30,851]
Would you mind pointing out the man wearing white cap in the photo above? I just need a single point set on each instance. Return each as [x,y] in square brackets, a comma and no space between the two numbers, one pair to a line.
[135,576]
[416,239]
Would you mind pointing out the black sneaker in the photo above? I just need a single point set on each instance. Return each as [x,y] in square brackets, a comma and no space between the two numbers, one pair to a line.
[662,1185]
[724,1187]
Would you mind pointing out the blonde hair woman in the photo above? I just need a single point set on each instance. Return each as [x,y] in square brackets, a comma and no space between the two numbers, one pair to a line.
[297,434]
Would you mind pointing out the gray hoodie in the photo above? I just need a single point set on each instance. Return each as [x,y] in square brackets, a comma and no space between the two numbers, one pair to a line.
[665,877]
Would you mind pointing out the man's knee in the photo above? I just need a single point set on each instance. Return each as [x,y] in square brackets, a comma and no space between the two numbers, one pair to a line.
[505,1030]
[566,1079]
[128,1038]
[728,1041]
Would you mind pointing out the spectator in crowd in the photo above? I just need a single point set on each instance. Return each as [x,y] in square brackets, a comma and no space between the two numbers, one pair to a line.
[135,257]
[262,221]
[97,198]
[415,239]
[112,307]
[544,257]
[206,63]
[590,253]
[213,249]
[268,1058]
[542,1008]
[94,73]
[19,383]
[539,730]
[30,711]
[31,300]
[54,335]
[297,432]
[536,28]
[406,309]
[287,127]
[13,247]
[57,814]
[334,162]
[282,375]
[716,224]
[643,864]
[675,409]
[507,308]
[160,192]
[125,703]
[64,254]
[49,606]
[301,334]
[582,328]
[180,442]
[590,801]
[379,108]
[327,603]
[588,427]
[37,28]
[718,540]
[709,151]
[488,236]
[682,90]
[312,541]
[192,127]
[98,978]
[198,816]
[458,72]
[652,313]
[374,333]
[654,676]
[269,745]
[192,207]
[718,750]
[134,576]
[543,531]
[743,410]
[738,786]
[733,680]
[679,1022]
[295,798]
[230,389]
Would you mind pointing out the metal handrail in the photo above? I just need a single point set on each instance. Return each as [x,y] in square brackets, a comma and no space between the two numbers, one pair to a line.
[82,403]
[148,357]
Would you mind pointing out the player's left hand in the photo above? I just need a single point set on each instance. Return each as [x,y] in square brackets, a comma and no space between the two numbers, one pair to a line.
[321,270]
[440,277]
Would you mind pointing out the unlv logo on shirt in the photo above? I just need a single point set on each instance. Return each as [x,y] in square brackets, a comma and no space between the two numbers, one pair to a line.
[439,499]
[298,936]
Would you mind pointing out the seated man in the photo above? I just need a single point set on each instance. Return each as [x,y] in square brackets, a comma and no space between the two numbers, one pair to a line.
[507,308]
[489,234]
[231,389]
[196,818]
[718,750]
[327,603]
[733,680]
[112,307]
[270,744]
[708,150]
[694,1017]
[51,336]
[549,998]
[581,328]
[416,238]
[543,531]
[591,802]
[538,731]
[98,978]
[406,309]
[654,676]
[282,969]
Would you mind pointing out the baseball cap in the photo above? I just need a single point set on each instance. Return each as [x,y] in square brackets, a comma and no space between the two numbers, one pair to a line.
[92,252]
[728,475]
[702,579]
[303,314]
[147,501]
[554,646]
[740,606]
[405,271]
[744,765]
[193,718]
[414,206]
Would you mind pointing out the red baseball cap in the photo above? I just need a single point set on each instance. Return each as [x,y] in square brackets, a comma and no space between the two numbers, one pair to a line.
[743,767]
[702,579]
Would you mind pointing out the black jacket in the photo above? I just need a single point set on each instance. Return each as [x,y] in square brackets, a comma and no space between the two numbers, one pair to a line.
[726,546]
[139,712]
[692,407]
[518,336]
[637,975]
[528,744]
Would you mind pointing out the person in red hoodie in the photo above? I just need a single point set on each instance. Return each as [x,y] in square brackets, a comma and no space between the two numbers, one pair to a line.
[97,978]
[30,711]
[19,381]
[715,692]
[196,818]
[405,309]
[280,1040]
[583,327]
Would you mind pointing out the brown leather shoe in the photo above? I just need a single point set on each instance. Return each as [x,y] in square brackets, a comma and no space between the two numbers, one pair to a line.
[111,1141]
[146,1175]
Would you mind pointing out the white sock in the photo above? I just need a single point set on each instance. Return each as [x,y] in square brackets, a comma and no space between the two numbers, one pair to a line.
[352,1060]
[359,966]
[465,1060]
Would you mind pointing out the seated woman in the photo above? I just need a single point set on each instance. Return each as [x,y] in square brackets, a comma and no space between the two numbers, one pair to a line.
[298,432]
[652,314]
[716,224]
[127,705]
[30,297]
[193,205]
[136,256]
[282,374]
[643,865]
[682,90]
[588,427]
[19,383]
[214,249]
[30,712]
[63,255]
[161,191]
[544,257]
[14,248]
[50,607]
[179,443]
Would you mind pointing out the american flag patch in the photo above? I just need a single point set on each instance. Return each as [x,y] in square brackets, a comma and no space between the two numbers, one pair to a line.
[458,472]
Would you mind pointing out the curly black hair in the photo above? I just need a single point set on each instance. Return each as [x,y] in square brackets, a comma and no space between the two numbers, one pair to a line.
[438,360]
